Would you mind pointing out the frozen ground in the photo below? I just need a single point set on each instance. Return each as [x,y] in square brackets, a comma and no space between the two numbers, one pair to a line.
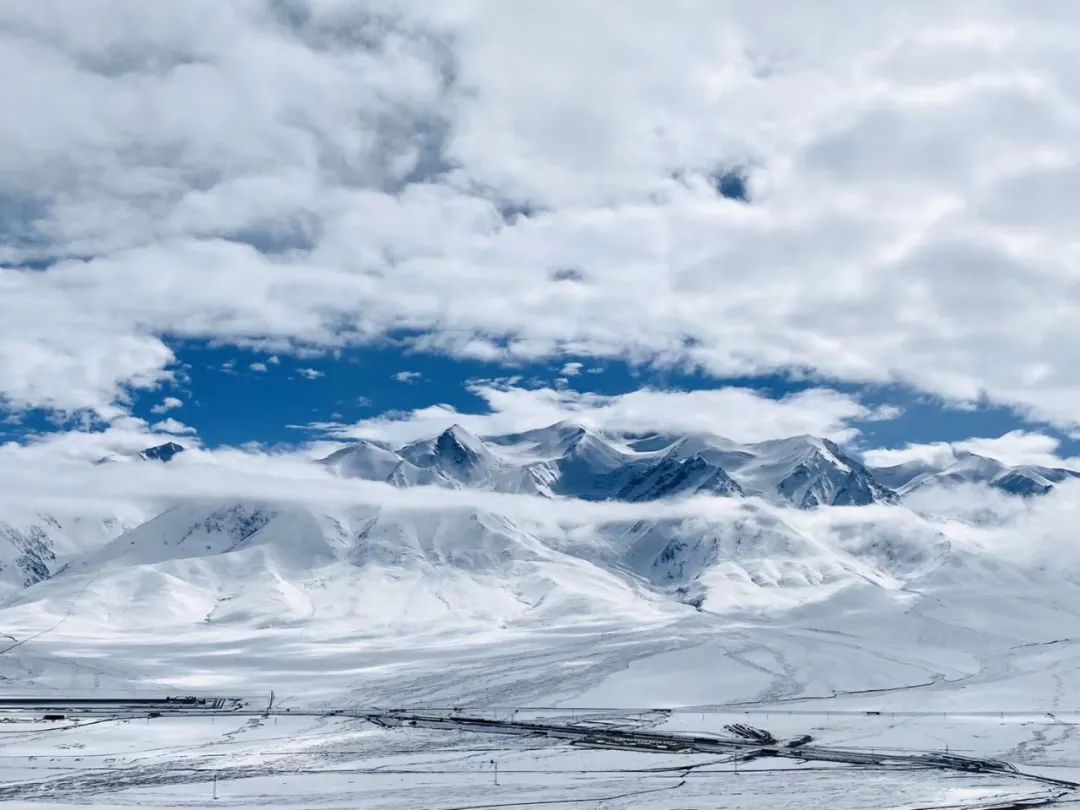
[294,762]
[958,695]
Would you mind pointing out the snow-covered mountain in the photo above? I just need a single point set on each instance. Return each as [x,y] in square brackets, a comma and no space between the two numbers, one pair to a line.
[806,471]
[35,545]
[265,564]
[280,590]
[575,461]
[964,467]
[561,460]
[272,563]
[413,564]
[161,452]
[566,459]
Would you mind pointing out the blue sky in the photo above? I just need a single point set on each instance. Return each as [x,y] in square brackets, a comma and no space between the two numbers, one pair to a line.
[229,403]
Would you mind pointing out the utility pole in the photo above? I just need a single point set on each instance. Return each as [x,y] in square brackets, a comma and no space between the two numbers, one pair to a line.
[215,784]
[496,764]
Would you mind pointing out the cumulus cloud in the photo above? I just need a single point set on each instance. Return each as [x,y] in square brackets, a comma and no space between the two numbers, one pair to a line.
[737,413]
[571,369]
[259,368]
[173,426]
[166,405]
[123,436]
[1017,447]
[408,376]
[971,504]
[310,373]
[365,169]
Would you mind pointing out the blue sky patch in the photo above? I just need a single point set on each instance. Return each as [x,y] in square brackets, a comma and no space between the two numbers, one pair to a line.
[233,396]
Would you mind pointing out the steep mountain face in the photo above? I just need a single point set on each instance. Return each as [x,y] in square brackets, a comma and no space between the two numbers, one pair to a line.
[590,467]
[34,546]
[186,531]
[161,452]
[964,467]
[456,455]
[28,552]
[1029,480]
[807,471]
[574,461]
[672,475]
[562,459]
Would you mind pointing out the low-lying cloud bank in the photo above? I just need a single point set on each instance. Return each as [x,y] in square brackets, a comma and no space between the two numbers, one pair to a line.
[1017,447]
[1031,530]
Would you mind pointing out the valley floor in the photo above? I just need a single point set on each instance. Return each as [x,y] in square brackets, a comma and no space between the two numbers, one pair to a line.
[336,762]
[893,687]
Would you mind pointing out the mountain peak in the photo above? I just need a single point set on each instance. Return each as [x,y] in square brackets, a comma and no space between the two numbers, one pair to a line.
[958,466]
[456,439]
[455,454]
[809,471]
[363,459]
[161,452]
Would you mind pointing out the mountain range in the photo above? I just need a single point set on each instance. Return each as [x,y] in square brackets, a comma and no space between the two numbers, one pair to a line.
[571,460]
[964,467]
[288,581]
[701,561]
[567,459]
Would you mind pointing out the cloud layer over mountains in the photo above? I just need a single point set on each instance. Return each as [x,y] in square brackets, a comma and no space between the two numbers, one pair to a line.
[861,192]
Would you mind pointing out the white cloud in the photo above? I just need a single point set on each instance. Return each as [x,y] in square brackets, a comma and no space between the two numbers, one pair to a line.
[259,368]
[173,426]
[737,413]
[408,376]
[166,405]
[46,480]
[571,369]
[1017,447]
[310,373]
[937,454]
[911,224]
[125,435]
